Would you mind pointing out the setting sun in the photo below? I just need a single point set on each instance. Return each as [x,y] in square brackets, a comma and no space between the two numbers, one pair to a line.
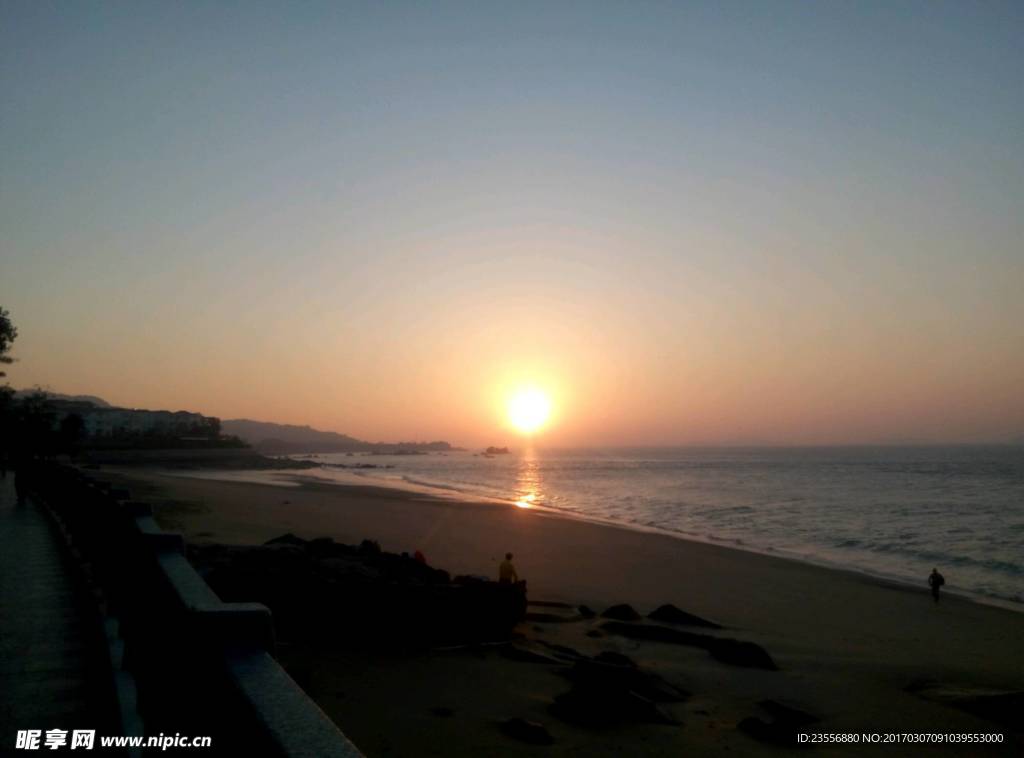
[528,410]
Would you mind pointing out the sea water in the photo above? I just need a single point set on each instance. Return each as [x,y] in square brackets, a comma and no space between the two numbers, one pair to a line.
[894,512]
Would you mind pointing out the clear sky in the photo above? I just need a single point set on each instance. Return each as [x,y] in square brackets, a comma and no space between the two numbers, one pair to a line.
[723,222]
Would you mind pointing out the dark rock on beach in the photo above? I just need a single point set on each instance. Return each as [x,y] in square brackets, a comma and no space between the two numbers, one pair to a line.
[735,652]
[621,612]
[287,539]
[740,653]
[610,688]
[615,659]
[668,613]
[786,722]
[616,674]
[1003,707]
[656,633]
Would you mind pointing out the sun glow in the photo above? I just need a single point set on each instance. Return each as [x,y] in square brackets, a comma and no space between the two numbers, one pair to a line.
[528,410]
[526,501]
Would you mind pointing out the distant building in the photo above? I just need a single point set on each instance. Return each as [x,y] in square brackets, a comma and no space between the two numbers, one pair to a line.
[108,422]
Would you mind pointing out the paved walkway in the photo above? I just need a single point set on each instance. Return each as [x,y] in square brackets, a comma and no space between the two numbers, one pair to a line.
[43,672]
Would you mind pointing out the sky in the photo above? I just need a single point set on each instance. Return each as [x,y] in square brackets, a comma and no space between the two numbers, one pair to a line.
[688,223]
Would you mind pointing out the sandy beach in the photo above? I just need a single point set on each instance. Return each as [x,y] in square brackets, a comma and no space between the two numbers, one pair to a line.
[847,646]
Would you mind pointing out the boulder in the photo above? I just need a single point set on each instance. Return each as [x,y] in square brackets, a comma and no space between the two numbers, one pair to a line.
[788,713]
[621,612]
[287,539]
[656,633]
[617,679]
[782,730]
[670,614]
[740,653]
[615,659]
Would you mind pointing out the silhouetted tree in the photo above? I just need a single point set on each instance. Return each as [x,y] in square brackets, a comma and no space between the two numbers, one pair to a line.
[28,425]
[7,432]
[72,430]
[35,427]
[7,336]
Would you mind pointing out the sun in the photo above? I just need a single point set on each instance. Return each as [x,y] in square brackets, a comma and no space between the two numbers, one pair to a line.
[529,409]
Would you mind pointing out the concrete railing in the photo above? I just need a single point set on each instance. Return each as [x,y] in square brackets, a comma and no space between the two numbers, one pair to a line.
[182,662]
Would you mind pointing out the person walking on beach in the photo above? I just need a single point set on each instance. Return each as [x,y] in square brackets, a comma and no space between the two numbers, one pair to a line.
[507,572]
[936,580]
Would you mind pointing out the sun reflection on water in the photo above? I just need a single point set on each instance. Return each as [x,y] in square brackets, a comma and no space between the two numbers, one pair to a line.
[528,482]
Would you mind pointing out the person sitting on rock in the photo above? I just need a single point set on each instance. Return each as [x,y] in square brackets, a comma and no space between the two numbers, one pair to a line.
[507,572]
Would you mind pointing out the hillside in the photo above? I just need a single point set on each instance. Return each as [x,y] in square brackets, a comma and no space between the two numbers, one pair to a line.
[285,439]
[288,438]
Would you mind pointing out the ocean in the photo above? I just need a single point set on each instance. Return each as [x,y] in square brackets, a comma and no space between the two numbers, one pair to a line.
[891,512]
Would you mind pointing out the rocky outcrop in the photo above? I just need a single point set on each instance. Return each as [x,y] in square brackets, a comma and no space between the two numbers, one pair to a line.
[320,589]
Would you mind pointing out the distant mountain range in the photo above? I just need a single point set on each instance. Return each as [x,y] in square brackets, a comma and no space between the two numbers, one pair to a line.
[280,439]
[286,439]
